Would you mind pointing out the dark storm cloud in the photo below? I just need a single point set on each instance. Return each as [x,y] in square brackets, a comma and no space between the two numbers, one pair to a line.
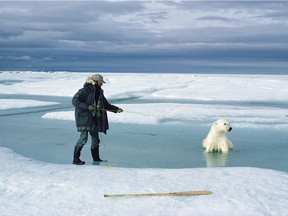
[148,36]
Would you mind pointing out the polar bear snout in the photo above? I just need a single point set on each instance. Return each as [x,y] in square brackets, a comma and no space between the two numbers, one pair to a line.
[229,129]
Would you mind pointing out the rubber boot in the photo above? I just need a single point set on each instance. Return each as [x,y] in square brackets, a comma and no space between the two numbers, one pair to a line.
[77,152]
[95,154]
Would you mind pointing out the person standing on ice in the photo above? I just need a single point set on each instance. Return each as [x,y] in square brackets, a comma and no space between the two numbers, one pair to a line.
[90,116]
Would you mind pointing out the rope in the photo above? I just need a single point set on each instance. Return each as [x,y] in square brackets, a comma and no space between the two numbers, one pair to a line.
[195,122]
[144,114]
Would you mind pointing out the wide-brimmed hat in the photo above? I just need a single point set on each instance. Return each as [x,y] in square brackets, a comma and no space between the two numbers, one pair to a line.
[98,78]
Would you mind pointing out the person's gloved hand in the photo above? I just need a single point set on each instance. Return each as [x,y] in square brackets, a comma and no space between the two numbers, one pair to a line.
[119,110]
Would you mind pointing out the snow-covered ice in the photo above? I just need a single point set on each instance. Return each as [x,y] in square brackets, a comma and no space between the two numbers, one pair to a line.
[17,104]
[34,188]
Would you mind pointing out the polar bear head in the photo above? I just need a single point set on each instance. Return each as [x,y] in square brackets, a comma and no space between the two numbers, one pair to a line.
[222,126]
[216,140]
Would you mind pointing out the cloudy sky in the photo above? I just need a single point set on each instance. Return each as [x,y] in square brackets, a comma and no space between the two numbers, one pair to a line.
[145,36]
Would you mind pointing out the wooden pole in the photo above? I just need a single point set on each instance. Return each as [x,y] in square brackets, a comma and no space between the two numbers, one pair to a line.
[185,193]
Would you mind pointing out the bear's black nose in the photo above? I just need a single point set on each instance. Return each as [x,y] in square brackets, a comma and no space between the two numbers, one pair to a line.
[230,129]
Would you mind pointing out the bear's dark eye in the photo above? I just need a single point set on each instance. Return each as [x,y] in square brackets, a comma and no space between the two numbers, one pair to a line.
[224,123]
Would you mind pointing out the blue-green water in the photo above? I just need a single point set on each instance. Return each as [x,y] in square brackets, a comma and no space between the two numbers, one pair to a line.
[134,145]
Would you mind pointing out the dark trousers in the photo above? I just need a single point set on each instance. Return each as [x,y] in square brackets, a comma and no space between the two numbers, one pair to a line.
[95,141]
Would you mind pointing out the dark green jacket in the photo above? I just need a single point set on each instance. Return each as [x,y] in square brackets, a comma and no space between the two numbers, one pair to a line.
[83,117]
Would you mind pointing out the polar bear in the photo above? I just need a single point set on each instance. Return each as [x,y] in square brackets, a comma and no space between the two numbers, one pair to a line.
[216,139]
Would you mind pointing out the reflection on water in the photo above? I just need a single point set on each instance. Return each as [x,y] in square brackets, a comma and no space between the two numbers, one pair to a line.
[215,159]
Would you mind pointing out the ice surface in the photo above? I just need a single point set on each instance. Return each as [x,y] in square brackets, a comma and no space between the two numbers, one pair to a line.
[31,187]
[34,188]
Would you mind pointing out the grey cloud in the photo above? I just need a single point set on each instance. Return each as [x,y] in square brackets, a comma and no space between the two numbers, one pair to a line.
[216,18]
[109,35]
[24,58]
